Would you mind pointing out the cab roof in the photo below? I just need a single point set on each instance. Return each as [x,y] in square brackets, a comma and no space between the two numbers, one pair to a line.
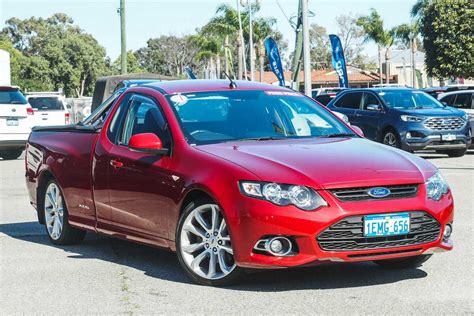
[205,85]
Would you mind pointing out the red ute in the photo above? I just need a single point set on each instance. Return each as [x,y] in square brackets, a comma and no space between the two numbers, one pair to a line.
[252,176]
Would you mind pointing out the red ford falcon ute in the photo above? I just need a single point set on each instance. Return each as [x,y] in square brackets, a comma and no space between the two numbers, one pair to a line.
[234,176]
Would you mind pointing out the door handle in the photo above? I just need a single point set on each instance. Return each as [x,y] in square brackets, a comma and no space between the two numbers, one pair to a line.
[116,164]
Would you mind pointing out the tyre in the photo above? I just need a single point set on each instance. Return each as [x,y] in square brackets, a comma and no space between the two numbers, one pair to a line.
[11,154]
[204,247]
[391,138]
[58,229]
[403,263]
[453,152]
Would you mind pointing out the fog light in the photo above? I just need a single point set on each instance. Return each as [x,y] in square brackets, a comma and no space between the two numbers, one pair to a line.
[408,135]
[276,246]
[448,229]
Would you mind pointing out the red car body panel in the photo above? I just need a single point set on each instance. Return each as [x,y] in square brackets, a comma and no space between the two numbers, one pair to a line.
[142,200]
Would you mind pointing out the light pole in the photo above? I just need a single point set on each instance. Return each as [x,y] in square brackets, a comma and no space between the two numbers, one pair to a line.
[413,63]
[248,4]
[306,52]
[241,35]
[123,41]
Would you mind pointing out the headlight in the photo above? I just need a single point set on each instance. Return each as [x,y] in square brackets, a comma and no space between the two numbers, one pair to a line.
[436,187]
[409,118]
[284,194]
[466,116]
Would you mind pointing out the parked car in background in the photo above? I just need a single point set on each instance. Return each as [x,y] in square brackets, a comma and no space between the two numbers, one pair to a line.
[463,100]
[406,118]
[436,91]
[222,174]
[16,121]
[50,108]
[332,91]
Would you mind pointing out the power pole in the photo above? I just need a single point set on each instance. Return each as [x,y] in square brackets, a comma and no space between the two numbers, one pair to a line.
[252,51]
[241,35]
[123,39]
[306,52]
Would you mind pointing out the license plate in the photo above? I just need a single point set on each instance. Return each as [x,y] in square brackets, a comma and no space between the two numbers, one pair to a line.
[386,224]
[12,122]
[448,137]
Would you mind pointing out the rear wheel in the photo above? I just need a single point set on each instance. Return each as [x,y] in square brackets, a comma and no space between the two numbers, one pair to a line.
[453,152]
[56,218]
[11,154]
[204,247]
[391,138]
[403,263]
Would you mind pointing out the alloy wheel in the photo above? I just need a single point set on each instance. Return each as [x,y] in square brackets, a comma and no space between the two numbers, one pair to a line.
[205,243]
[54,211]
[390,139]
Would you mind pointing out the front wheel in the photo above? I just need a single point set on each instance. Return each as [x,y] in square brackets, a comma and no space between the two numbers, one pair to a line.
[403,263]
[453,153]
[56,218]
[391,138]
[204,246]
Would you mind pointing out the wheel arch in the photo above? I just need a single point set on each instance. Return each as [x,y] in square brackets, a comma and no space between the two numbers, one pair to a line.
[385,129]
[43,179]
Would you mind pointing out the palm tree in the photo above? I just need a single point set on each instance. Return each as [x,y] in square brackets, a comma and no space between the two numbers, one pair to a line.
[225,26]
[374,30]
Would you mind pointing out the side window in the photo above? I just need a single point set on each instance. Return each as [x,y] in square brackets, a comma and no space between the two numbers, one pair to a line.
[370,99]
[350,101]
[144,116]
[463,101]
[115,124]
[448,99]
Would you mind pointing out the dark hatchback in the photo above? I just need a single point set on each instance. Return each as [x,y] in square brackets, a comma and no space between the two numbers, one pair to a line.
[406,118]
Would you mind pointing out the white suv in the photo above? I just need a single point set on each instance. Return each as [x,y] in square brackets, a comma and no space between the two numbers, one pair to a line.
[16,121]
[50,108]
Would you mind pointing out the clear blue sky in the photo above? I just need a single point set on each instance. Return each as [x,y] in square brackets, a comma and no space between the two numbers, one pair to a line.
[152,18]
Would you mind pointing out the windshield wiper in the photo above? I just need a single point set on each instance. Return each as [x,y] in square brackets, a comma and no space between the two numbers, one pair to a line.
[338,135]
[263,138]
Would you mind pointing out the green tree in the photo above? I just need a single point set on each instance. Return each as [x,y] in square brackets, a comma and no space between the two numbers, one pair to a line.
[29,73]
[133,65]
[224,26]
[448,36]
[375,31]
[70,58]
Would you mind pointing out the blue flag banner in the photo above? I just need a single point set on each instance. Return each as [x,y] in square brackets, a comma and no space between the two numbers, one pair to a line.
[275,59]
[190,73]
[338,60]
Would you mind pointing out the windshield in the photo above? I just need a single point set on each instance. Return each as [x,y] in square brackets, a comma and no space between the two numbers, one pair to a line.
[212,117]
[46,103]
[11,96]
[409,99]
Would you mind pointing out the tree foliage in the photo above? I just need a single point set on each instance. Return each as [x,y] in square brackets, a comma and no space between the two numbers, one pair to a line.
[58,51]
[448,37]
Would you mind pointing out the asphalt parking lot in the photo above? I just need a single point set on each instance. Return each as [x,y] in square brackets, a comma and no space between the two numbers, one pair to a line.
[104,275]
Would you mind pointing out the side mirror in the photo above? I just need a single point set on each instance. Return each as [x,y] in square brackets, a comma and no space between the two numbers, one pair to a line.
[147,143]
[357,129]
[374,107]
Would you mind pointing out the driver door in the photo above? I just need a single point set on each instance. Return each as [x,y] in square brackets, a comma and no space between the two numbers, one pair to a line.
[370,117]
[140,184]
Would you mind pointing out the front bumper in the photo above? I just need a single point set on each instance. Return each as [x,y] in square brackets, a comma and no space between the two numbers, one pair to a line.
[415,136]
[260,218]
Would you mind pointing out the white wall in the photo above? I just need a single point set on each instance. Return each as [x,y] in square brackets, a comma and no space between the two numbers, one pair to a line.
[5,76]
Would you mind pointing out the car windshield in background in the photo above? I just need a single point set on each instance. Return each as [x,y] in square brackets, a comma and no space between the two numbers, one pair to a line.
[409,99]
[212,117]
[11,96]
[46,103]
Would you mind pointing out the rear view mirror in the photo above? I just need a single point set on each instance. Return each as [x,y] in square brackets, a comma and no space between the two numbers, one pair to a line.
[374,107]
[147,143]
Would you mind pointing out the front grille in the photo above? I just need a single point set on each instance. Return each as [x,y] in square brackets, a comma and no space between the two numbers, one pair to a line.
[348,234]
[445,123]
[361,194]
